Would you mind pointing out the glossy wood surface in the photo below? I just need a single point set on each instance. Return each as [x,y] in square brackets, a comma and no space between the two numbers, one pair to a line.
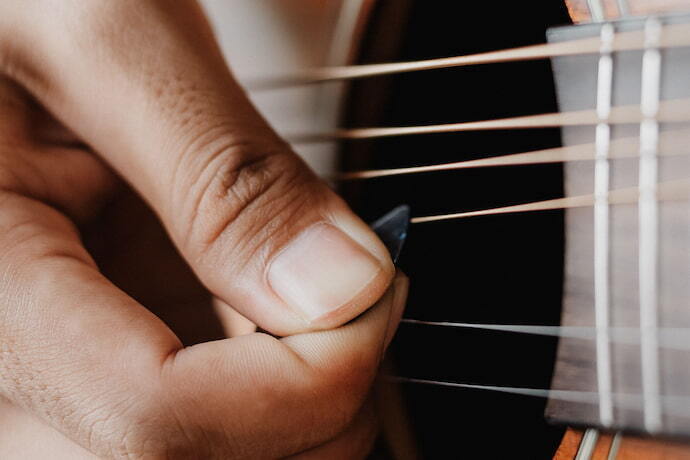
[630,448]
[580,11]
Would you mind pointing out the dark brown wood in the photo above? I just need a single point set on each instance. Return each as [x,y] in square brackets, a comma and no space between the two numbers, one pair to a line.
[576,365]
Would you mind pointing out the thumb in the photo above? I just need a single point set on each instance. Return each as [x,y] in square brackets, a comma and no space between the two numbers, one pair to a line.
[145,84]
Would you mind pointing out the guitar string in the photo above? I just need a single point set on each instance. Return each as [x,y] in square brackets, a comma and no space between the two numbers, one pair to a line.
[672,143]
[674,405]
[667,190]
[670,111]
[596,10]
[674,36]
[674,338]
[552,394]
[676,190]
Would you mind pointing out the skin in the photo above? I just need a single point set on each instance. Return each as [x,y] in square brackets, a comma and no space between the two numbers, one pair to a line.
[138,186]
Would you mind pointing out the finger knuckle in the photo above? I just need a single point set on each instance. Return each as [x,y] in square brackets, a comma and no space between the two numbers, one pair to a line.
[246,193]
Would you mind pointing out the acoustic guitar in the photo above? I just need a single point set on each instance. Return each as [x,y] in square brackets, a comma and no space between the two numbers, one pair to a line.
[542,147]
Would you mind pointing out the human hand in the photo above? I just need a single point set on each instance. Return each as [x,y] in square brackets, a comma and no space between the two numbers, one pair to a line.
[140,87]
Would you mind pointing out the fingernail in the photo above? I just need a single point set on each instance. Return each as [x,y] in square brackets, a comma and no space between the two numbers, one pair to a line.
[321,270]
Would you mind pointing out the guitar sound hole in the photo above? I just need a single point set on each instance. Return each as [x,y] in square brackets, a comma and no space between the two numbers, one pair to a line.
[501,269]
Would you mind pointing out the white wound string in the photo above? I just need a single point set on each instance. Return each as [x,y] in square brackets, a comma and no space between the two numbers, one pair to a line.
[648,212]
[677,405]
[577,332]
[674,36]
[671,143]
[671,190]
[671,338]
[586,397]
[615,446]
[601,226]
[585,450]
[671,111]
[596,10]
[623,8]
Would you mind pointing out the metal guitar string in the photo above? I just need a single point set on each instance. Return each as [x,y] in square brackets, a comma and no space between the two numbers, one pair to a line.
[674,36]
[650,401]
[596,10]
[670,143]
[670,111]
[588,444]
[671,338]
[623,7]
[675,405]
[670,190]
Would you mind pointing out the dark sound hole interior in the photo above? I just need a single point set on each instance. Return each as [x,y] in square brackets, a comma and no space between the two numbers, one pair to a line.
[503,269]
